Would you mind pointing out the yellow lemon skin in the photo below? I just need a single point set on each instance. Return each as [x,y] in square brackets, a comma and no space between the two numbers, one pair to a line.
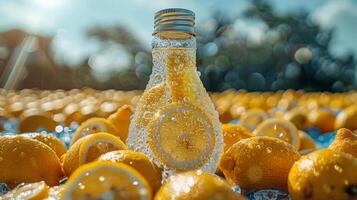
[138,161]
[55,144]
[88,149]
[322,119]
[306,142]
[34,121]
[196,185]
[324,174]
[258,162]
[298,117]
[345,141]
[24,160]
[234,133]
[347,118]
[121,120]
[106,180]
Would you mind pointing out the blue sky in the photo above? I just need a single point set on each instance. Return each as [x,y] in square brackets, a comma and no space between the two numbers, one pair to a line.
[68,19]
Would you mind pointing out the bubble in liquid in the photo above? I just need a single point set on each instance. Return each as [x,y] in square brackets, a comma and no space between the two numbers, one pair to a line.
[101,178]
[158,78]
[269,149]
[338,168]
[81,186]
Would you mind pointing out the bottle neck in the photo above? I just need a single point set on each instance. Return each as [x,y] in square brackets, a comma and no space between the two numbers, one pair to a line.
[173,39]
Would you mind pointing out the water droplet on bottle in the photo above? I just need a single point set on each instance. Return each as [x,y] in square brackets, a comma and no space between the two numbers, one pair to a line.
[135,183]
[237,189]
[199,73]
[186,99]
[147,115]
[22,155]
[173,119]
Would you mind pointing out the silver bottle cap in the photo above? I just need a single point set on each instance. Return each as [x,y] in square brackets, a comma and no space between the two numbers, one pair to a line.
[174,19]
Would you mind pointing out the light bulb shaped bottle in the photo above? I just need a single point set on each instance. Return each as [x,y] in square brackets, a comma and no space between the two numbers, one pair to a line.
[175,122]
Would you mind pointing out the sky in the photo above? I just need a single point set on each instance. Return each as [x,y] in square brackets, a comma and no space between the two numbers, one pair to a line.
[68,20]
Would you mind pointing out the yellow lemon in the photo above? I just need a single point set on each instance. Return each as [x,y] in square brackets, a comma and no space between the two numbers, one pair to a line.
[223,107]
[324,174]
[138,161]
[181,137]
[33,119]
[26,160]
[88,149]
[346,141]
[54,143]
[347,118]
[252,118]
[30,191]
[322,119]
[281,129]
[196,185]
[298,117]
[234,133]
[107,180]
[121,120]
[94,125]
[258,162]
[306,142]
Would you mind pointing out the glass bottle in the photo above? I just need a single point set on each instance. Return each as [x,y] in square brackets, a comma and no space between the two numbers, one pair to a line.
[175,122]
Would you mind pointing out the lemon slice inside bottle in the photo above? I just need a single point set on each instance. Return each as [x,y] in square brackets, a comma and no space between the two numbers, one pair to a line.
[181,137]
[180,69]
[150,101]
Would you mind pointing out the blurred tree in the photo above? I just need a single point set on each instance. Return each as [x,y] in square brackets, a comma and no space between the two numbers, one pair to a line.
[260,50]
[291,53]
[136,74]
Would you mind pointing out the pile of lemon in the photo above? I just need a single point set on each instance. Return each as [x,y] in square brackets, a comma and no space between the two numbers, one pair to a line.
[268,149]
[45,109]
